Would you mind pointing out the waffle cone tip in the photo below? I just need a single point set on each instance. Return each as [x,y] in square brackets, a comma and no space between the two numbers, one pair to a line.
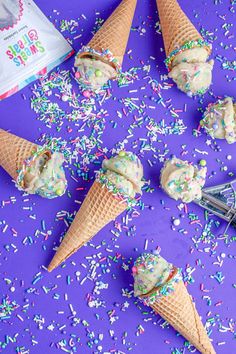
[61,256]
[98,209]
[52,266]
[179,310]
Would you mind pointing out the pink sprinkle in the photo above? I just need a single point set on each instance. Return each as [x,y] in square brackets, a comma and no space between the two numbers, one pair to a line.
[86,94]
[134,270]
[77,75]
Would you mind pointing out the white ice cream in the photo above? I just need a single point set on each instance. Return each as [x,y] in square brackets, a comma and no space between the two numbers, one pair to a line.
[93,73]
[191,71]
[46,176]
[125,172]
[150,271]
[182,181]
[219,120]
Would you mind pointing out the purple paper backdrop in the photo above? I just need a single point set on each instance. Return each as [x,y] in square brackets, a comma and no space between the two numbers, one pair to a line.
[87,305]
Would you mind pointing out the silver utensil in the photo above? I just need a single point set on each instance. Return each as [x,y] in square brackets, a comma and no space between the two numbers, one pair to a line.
[221,201]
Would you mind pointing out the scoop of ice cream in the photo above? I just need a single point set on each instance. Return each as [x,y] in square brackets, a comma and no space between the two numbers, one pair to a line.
[219,120]
[46,176]
[191,71]
[128,165]
[93,73]
[122,184]
[192,78]
[182,180]
[150,271]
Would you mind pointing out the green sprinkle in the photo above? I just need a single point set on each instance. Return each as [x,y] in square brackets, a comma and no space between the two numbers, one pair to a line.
[202,163]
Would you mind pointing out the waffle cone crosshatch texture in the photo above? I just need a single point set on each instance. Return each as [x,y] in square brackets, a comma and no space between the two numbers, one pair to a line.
[13,152]
[177,29]
[114,33]
[117,176]
[98,209]
[179,311]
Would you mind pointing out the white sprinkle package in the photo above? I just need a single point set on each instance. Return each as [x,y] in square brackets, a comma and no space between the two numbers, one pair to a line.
[30,45]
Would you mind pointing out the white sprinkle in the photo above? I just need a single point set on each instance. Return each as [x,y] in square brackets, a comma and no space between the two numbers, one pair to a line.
[5,228]
[82,281]
[176,222]
[146,245]
[20,318]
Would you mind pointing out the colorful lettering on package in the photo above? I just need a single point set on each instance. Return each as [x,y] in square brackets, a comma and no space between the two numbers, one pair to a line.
[27,46]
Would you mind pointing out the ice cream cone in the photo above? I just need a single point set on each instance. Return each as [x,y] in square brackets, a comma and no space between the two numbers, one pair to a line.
[114,33]
[178,309]
[176,27]
[13,152]
[98,209]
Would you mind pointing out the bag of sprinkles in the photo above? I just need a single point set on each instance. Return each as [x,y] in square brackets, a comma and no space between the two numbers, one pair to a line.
[30,45]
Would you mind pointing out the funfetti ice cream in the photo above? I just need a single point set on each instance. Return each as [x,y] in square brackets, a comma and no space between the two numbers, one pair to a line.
[30,45]
[219,120]
[182,180]
[93,73]
[46,176]
[125,172]
[35,169]
[101,59]
[192,72]
[159,284]
[187,52]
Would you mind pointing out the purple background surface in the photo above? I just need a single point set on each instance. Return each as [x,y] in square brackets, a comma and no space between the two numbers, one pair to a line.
[54,313]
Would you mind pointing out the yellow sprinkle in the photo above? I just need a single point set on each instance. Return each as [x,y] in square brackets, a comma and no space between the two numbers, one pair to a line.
[58,192]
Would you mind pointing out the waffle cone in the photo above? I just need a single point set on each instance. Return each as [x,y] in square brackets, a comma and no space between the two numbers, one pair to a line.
[98,209]
[114,33]
[13,152]
[176,27]
[179,311]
